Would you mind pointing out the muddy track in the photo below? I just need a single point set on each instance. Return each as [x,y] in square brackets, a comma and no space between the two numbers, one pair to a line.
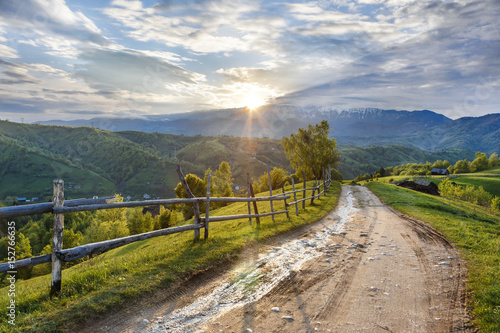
[362,268]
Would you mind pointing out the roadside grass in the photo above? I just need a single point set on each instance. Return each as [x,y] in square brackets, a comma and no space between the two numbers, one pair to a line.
[127,274]
[474,231]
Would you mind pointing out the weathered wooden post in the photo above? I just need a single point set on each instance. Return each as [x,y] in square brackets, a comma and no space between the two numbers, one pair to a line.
[270,191]
[295,198]
[257,218]
[314,190]
[207,210]
[304,191]
[329,175]
[248,196]
[57,237]
[196,207]
[324,181]
[286,205]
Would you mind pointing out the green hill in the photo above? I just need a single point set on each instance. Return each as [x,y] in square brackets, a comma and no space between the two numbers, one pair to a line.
[137,163]
[27,173]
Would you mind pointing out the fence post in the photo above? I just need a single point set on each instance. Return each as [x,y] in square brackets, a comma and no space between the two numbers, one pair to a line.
[207,210]
[329,176]
[286,205]
[314,190]
[57,238]
[324,182]
[270,191]
[248,196]
[257,218]
[295,198]
[196,207]
[304,191]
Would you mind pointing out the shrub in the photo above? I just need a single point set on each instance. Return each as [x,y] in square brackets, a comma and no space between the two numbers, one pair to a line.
[495,204]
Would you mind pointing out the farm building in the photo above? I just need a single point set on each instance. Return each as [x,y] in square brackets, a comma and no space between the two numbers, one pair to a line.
[440,172]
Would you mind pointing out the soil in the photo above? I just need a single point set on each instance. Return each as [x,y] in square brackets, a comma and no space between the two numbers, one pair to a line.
[362,268]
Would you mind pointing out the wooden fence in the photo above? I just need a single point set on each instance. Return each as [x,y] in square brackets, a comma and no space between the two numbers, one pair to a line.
[59,206]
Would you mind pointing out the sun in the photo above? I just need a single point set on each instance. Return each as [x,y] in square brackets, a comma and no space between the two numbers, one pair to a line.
[253,101]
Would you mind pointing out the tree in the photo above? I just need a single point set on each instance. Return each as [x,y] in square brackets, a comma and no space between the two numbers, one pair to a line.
[139,222]
[462,166]
[23,250]
[480,163]
[222,181]
[278,178]
[311,150]
[166,219]
[23,247]
[199,189]
[381,172]
[493,160]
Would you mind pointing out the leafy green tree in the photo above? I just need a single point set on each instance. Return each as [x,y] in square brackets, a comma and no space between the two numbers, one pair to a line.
[493,160]
[36,232]
[278,179]
[166,219]
[23,250]
[71,239]
[480,163]
[23,247]
[108,224]
[199,189]
[139,222]
[256,187]
[312,150]
[462,166]
[222,181]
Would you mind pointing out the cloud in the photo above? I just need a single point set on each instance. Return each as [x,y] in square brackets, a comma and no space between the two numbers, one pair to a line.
[15,73]
[194,25]
[50,17]
[132,71]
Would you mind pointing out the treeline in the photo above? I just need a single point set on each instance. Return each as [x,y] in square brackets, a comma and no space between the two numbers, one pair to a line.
[480,163]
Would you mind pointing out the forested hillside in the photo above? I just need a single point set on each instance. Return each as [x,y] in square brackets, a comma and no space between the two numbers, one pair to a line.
[100,162]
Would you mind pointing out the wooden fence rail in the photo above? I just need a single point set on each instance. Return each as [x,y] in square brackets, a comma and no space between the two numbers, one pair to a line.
[59,206]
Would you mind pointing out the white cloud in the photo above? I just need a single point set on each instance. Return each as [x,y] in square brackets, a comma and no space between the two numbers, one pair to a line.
[205,29]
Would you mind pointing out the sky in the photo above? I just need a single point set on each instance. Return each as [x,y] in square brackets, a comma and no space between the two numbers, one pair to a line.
[90,58]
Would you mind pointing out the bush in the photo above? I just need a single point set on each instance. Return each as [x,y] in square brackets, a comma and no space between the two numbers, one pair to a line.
[468,193]
[495,204]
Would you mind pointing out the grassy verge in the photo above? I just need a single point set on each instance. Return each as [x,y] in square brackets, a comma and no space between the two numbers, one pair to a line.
[474,231]
[122,275]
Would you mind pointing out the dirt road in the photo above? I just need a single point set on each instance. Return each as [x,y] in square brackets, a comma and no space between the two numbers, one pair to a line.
[362,268]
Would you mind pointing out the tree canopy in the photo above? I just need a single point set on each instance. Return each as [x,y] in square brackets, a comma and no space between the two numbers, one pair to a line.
[311,150]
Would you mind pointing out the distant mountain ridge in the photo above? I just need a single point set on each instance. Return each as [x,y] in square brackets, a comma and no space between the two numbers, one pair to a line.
[423,129]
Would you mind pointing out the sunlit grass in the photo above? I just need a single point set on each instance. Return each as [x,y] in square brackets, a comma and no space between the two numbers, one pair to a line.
[125,274]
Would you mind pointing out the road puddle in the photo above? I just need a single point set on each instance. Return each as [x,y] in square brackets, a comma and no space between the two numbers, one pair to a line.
[254,279]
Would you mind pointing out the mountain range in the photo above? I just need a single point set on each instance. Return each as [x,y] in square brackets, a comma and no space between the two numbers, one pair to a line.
[423,129]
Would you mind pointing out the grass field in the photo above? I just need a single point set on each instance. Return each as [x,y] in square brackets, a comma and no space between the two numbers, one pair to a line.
[490,184]
[474,231]
[131,272]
